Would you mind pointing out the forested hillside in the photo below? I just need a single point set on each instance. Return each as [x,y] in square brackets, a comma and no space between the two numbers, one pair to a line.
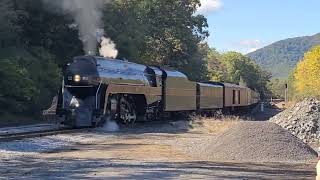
[281,57]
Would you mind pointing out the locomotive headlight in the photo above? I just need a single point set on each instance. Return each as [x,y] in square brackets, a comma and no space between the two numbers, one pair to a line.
[77,78]
[74,103]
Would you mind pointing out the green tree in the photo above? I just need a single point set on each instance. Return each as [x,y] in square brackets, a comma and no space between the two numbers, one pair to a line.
[277,88]
[236,68]
[29,35]
[49,29]
[159,32]
[29,79]
[217,70]
[9,28]
[15,97]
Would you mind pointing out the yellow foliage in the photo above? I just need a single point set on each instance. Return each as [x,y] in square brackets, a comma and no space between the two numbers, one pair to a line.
[307,74]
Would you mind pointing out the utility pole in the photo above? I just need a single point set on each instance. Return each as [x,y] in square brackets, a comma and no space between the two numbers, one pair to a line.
[286,93]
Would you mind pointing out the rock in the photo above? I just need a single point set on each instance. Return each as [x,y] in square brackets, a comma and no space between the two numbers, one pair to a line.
[295,121]
[302,120]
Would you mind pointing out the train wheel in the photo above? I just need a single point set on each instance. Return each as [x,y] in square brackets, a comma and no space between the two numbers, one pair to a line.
[128,112]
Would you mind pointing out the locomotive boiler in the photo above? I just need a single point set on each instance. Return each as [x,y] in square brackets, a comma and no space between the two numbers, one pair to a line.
[95,89]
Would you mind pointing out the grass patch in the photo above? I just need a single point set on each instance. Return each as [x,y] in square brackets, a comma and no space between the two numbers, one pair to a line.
[214,125]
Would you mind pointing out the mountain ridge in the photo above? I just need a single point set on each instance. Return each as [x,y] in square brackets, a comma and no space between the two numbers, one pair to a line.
[281,57]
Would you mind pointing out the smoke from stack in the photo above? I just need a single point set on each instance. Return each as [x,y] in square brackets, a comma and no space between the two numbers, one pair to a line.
[88,18]
[108,48]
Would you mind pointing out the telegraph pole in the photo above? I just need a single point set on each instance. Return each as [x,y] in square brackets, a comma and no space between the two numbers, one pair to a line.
[286,93]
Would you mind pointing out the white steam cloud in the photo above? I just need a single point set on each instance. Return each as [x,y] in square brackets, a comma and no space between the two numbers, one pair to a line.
[88,19]
[249,46]
[108,48]
[110,126]
[209,6]
[87,15]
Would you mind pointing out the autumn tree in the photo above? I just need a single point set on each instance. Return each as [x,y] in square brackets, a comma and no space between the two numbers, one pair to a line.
[306,76]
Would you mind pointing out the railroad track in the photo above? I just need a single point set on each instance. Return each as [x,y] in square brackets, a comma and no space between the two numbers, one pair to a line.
[6,136]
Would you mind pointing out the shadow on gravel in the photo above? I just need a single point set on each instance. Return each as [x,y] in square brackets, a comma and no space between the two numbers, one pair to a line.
[166,127]
[266,115]
[55,168]
[36,145]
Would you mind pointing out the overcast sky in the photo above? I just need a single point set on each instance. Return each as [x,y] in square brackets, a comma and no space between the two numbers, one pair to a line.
[246,25]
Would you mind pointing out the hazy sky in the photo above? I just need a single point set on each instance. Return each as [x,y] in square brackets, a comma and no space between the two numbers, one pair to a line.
[246,25]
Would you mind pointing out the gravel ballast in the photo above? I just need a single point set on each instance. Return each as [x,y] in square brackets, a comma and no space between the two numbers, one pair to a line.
[302,120]
[242,141]
[252,142]
[154,151]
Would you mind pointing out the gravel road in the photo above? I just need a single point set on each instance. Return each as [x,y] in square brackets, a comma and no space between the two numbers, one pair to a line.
[167,150]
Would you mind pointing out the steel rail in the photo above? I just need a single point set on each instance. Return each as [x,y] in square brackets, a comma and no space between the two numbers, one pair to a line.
[34,134]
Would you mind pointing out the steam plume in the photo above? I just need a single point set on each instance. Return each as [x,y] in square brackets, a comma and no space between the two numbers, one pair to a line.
[108,48]
[209,6]
[110,126]
[87,14]
[88,19]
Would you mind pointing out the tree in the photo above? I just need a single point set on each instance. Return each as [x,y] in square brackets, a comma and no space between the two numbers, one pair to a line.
[277,88]
[29,80]
[9,28]
[29,35]
[236,68]
[291,85]
[217,70]
[14,97]
[241,67]
[52,30]
[158,32]
[306,75]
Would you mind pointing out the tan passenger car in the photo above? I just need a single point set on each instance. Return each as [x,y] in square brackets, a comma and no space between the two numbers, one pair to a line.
[210,96]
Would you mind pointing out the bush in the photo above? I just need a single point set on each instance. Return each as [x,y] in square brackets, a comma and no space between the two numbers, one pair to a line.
[29,79]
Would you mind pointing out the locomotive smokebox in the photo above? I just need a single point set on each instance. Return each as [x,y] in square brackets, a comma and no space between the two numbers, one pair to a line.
[79,92]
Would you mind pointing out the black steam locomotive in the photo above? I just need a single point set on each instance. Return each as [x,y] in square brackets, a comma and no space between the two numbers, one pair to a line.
[95,89]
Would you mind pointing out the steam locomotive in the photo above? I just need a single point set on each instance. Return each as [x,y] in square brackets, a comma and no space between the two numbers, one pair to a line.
[95,89]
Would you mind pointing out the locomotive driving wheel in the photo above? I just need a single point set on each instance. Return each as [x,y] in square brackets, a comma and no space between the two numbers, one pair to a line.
[127,111]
